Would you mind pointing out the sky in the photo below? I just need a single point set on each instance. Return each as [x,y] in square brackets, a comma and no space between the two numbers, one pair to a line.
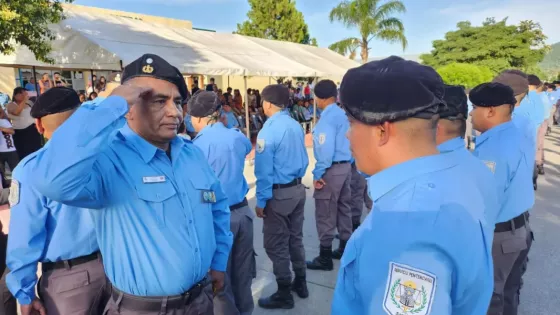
[424,21]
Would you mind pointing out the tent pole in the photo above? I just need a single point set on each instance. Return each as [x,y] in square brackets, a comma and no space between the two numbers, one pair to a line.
[91,81]
[314,110]
[227,81]
[246,108]
[36,83]
[269,80]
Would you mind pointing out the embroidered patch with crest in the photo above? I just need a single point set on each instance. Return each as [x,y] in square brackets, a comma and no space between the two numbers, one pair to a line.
[491,165]
[13,199]
[322,138]
[409,291]
[208,196]
[260,145]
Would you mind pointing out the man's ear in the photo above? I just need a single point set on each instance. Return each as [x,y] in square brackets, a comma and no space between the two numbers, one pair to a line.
[382,132]
[39,126]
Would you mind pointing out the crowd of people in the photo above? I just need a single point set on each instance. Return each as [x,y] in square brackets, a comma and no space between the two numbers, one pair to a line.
[127,217]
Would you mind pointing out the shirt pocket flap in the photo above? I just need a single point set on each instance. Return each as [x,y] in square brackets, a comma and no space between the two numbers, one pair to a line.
[69,282]
[155,192]
[513,245]
[322,194]
[283,193]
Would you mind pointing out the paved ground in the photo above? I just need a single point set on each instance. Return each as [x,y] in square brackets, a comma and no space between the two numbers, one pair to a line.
[542,281]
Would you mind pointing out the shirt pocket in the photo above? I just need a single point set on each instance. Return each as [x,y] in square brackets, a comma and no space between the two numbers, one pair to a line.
[348,271]
[158,197]
[204,197]
[69,282]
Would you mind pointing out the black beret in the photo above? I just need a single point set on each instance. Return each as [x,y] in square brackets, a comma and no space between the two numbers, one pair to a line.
[492,94]
[534,80]
[456,100]
[325,89]
[276,94]
[154,66]
[555,82]
[203,103]
[391,89]
[515,79]
[55,100]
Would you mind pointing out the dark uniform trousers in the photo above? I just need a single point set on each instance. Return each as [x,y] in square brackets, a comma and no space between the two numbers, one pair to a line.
[237,297]
[332,205]
[9,304]
[200,303]
[507,248]
[78,289]
[358,187]
[283,232]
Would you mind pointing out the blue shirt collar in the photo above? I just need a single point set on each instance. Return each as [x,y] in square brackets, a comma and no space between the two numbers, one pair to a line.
[215,125]
[492,131]
[147,150]
[451,145]
[329,108]
[388,179]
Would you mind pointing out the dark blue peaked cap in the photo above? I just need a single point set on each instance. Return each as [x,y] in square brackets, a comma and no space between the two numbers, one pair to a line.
[456,100]
[391,89]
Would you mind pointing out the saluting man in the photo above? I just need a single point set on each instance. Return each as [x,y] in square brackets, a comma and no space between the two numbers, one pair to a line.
[280,163]
[509,156]
[161,217]
[331,176]
[226,150]
[421,250]
[59,236]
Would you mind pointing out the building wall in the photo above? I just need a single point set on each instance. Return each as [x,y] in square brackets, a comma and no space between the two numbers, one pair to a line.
[7,80]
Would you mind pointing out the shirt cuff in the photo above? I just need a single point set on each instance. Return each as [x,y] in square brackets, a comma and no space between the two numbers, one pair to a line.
[261,203]
[219,262]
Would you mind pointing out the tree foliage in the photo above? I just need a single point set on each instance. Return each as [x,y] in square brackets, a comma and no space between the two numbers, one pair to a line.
[278,20]
[373,21]
[25,22]
[466,75]
[494,45]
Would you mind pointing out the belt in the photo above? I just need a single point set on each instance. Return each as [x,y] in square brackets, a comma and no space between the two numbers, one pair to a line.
[157,303]
[340,162]
[510,225]
[295,182]
[67,264]
[239,205]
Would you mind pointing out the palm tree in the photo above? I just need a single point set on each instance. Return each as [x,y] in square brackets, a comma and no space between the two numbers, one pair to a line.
[373,20]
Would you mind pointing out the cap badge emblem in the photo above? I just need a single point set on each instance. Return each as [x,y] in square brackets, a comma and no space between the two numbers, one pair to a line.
[147,69]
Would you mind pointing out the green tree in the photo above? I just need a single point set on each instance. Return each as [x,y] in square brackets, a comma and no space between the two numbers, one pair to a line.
[466,75]
[495,45]
[373,21]
[26,22]
[278,20]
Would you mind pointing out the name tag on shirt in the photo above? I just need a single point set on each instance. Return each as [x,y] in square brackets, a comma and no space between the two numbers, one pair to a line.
[208,196]
[153,179]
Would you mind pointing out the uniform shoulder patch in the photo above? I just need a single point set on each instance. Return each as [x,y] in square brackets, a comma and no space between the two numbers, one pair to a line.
[491,165]
[409,290]
[260,145]
[322,138]
[13,199]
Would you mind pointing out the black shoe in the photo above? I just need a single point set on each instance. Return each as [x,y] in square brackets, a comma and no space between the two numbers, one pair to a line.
[282,299]
[323,261]
[540,169]
[299,286]
[337,254]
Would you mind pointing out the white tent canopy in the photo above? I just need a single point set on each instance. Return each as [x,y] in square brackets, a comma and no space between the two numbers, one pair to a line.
[101,41]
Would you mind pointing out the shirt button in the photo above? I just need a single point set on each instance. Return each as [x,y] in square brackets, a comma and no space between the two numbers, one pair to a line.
[196,250]
[190,221]
[157,195]
[431,185]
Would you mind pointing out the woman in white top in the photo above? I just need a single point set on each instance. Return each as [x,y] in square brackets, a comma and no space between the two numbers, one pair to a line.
[8,153]
[26,137]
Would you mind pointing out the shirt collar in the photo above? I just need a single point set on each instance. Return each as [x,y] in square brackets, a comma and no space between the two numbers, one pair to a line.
[205,129]
[492,131]
[147,150]
[388,179]
[451,145]
[330,108]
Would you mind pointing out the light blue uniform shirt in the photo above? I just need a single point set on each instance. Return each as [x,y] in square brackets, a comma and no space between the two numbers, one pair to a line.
[554,96]
[537,113]
[521,118]
[503,149]
[161,222]
[425,234]
[226,149]
[280,156]
[42,230]
[473,167]
[545,98]
[330,143]
[231,120]
[188,123]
